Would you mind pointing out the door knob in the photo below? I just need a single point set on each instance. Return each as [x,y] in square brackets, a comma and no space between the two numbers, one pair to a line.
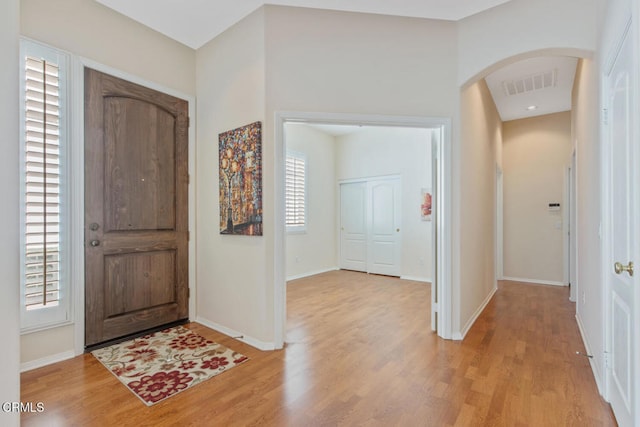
[619,268]
[94,243]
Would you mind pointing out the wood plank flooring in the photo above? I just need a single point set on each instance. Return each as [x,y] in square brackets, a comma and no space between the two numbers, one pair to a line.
[360,352]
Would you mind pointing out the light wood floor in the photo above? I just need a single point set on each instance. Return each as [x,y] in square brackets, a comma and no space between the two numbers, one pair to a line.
[360,352]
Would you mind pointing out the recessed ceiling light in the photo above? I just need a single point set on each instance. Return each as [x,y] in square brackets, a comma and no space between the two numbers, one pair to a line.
[532,107]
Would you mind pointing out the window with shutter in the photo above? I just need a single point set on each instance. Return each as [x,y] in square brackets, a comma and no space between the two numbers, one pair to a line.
[295,194]
[44,296]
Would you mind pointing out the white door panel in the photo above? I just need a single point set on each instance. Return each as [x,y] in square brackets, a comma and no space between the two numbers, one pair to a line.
[353,226]
[619,85]
[384,238]
[370,226]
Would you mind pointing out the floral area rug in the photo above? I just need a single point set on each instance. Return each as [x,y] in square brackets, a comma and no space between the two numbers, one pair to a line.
[167,362]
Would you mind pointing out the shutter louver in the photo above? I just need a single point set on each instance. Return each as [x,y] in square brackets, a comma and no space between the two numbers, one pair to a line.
[295,191]
[42,184]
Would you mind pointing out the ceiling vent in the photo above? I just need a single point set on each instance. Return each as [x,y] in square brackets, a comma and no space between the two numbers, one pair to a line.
[531,83]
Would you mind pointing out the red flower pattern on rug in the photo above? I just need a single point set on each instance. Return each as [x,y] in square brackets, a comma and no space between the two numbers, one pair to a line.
[160,385]
[164,363]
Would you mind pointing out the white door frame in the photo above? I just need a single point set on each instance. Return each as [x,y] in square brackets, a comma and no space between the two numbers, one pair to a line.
[443,227]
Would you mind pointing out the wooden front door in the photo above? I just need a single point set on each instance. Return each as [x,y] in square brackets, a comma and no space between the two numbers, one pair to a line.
[136,220]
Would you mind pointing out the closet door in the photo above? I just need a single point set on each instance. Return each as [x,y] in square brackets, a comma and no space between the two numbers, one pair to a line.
[353,226]
[370,213]
[384,229]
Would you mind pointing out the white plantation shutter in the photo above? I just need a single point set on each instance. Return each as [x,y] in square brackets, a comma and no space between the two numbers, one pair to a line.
[43,124]
[295,194]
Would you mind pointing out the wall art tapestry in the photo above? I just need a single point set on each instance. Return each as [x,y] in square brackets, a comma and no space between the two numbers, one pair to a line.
[240,154]
[425,204]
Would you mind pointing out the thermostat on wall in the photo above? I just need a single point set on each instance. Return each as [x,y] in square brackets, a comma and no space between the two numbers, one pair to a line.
[554,207]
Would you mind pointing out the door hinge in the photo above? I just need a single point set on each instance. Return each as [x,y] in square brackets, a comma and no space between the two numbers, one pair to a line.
[188,236]
[188,179]
[607,360]
[188,293]
[188,121]
[605,116]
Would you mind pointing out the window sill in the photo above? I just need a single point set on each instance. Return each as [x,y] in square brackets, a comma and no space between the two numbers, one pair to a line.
[296,230]
[38,328]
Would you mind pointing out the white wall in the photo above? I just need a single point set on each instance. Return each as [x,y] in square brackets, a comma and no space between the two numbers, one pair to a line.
[90,30]
[379,151]
[314,250]
[9,194]
[536,152]
[290,59]
[336,62]
[476,163]
[231,270]
[487,41]
[315,61]
[585,119]
[525,27]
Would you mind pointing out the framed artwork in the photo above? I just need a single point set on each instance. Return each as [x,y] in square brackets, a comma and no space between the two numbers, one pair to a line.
[425,204]
[240,181]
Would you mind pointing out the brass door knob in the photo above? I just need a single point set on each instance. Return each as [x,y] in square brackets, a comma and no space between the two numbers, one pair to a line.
[619,268]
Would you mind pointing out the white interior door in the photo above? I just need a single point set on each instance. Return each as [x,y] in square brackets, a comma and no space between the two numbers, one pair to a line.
[384,230]
[370,215]
[621,329]
[353,226]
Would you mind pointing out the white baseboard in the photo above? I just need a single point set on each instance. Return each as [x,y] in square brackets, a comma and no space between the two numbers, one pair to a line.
[54,358]
[311,273]
[459,336]
[535,281]
[587,348]
[416,279]
[260,345]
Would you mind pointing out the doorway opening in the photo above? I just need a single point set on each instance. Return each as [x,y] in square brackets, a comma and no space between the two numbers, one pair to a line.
[430,261]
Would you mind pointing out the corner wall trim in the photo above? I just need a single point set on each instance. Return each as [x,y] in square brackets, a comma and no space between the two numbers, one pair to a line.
[48,360]
[260,345]
[459,336]
[535,281]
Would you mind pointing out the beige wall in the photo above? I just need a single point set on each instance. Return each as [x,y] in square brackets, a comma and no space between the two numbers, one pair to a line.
[90,30]
[512,29]
[314,250]
[9,194]
[231,270]
[479,142]
[93,31]
[586,137]
[380,151]
[289,59]
[336,62]
[327,61]
[536,153]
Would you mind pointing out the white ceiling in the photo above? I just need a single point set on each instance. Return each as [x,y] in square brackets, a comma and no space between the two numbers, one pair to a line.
[526,77]
[195,22]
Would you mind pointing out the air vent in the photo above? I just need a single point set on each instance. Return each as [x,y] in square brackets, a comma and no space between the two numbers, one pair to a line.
[531,83]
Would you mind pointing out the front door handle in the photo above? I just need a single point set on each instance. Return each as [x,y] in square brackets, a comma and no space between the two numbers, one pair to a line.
[619,268]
